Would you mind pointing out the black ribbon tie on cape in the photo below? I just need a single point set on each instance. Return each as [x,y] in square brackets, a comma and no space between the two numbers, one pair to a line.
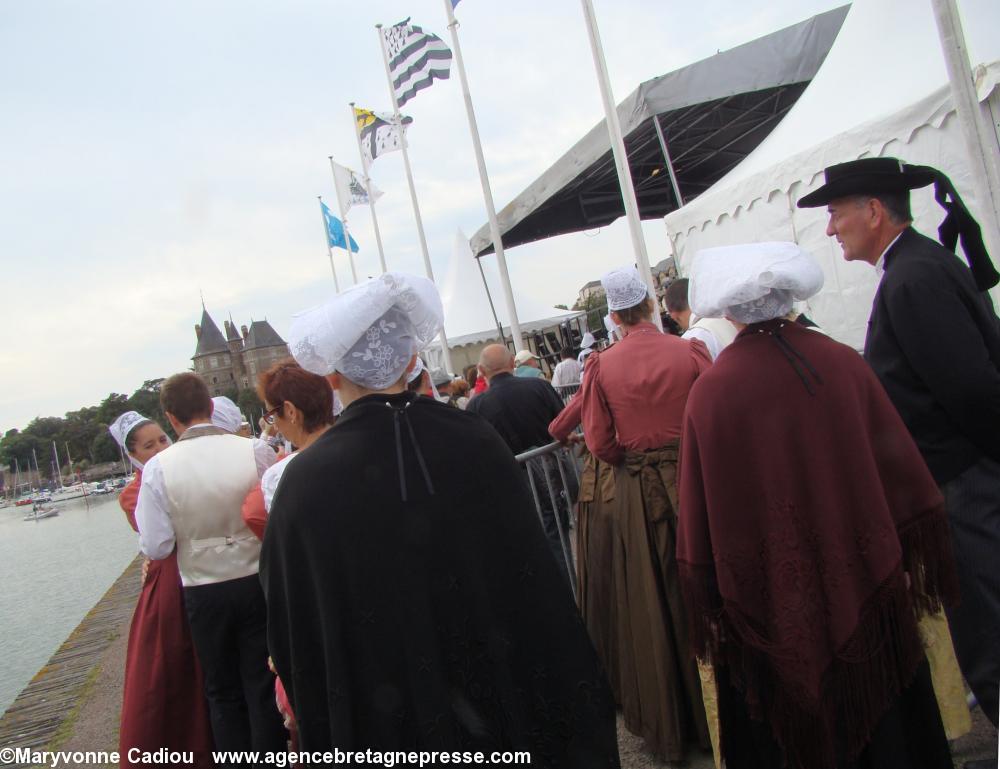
[797,360]
[400,415]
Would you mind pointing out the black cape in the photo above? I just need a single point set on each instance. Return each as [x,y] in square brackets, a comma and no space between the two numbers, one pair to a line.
[436,623]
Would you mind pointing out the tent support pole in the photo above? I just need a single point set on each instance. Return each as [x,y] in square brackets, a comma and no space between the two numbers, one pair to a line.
[668,161]
[621,157]
[980,139]
[489,297]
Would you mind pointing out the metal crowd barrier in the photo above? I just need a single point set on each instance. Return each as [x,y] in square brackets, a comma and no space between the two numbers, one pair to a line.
[566,392]
[554,477]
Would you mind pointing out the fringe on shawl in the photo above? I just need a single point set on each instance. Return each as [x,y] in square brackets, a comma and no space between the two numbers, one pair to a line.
[928,559]
[866,675]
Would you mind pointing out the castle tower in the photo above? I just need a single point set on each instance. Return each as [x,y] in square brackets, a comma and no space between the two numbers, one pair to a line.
[212,357]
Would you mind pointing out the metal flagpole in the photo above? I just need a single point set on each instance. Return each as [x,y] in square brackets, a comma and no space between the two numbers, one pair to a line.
[980,139]
[484,180]
[329,248]
[368,187]
[445,352]
[343,220]
[621,158]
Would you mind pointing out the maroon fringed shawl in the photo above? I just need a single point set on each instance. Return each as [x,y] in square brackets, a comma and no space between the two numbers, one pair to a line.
[804,503]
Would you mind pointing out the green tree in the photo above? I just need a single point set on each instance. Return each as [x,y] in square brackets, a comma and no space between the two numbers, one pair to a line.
[596,307]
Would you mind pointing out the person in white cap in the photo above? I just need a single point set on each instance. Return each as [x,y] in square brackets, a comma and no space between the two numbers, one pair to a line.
[632,401]
[226,414]
[412,607]
[163,699]
[811,535]
[586,346]
[190,502]
[526,365]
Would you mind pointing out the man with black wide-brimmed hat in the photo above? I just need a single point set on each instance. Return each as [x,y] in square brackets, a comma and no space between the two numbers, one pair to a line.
[934,342]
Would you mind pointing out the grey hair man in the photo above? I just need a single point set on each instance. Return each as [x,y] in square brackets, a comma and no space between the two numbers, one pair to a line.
[934,342]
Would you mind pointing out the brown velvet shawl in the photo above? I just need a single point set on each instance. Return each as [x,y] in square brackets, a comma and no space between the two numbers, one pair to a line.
[805,512]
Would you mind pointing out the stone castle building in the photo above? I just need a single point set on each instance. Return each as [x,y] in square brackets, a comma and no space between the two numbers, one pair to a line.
[233,361]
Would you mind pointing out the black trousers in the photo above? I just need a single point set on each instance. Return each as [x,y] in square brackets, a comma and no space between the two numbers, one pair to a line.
[229,628]
[973,502]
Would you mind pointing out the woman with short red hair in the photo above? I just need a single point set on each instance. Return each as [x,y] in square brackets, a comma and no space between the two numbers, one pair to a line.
[300,405]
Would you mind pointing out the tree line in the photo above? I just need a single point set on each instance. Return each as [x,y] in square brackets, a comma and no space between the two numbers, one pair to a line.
[85,431]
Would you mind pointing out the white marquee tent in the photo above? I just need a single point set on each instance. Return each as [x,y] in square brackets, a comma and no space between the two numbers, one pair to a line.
[882,91]
[468,318]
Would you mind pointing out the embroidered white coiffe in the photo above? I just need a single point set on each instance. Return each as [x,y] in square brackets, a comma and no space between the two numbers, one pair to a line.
[226,414]
[370,331]
[752,282]
[624,288]
[122,426]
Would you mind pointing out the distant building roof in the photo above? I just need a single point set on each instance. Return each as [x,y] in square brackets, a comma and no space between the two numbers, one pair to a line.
[210,340]
[261,334]
[591,284]
[232,333]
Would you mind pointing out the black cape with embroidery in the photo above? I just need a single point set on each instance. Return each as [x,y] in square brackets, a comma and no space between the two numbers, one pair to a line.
[425,612]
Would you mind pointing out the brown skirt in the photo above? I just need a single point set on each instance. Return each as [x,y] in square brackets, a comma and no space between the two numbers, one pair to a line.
[659,684]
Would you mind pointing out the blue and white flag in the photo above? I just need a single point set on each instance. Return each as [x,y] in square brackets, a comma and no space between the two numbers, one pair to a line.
[335,231]
[416,59]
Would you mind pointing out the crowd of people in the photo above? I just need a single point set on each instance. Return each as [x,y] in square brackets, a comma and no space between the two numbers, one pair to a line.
[766,523]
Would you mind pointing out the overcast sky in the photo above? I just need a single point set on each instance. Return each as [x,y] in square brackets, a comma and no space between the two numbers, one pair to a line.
[151,151]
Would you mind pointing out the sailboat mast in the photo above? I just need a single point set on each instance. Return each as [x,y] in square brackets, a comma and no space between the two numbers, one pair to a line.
[38,473]
[55,453]
[69,462]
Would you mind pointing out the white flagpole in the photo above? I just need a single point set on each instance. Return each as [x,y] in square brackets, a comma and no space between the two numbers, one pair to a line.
[445,352]
[980,138]
[484,180]
[621,158]
[343,220]
[329,248]
[368,186]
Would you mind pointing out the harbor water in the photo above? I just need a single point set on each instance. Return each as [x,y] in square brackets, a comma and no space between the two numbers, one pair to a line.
[52,572]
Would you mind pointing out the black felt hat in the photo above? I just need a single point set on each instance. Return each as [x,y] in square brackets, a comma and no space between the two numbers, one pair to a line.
[870,176]
[867,176]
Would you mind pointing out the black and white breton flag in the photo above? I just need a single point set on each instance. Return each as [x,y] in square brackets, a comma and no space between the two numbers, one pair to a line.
[416,59]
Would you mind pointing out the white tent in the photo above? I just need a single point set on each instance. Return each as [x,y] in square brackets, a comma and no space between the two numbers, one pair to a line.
[882,91]
[468,319]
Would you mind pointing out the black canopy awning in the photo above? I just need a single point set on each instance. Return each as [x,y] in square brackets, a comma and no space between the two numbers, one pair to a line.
[712,114]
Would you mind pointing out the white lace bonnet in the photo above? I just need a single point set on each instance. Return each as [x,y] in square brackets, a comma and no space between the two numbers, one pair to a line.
[623,288]
[752,282]
[369,332]
[122,426]
[226,414]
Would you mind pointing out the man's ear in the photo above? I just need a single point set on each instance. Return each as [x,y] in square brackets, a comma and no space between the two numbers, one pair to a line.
[178,428]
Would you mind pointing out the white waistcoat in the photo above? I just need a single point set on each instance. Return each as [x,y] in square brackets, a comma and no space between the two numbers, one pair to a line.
[724,331]
[207,478]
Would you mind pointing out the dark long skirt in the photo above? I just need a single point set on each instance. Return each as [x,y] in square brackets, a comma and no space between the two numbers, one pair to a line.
[909,735]
[660,688]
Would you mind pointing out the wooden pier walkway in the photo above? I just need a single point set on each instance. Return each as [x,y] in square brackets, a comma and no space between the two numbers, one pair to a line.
[35,718]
